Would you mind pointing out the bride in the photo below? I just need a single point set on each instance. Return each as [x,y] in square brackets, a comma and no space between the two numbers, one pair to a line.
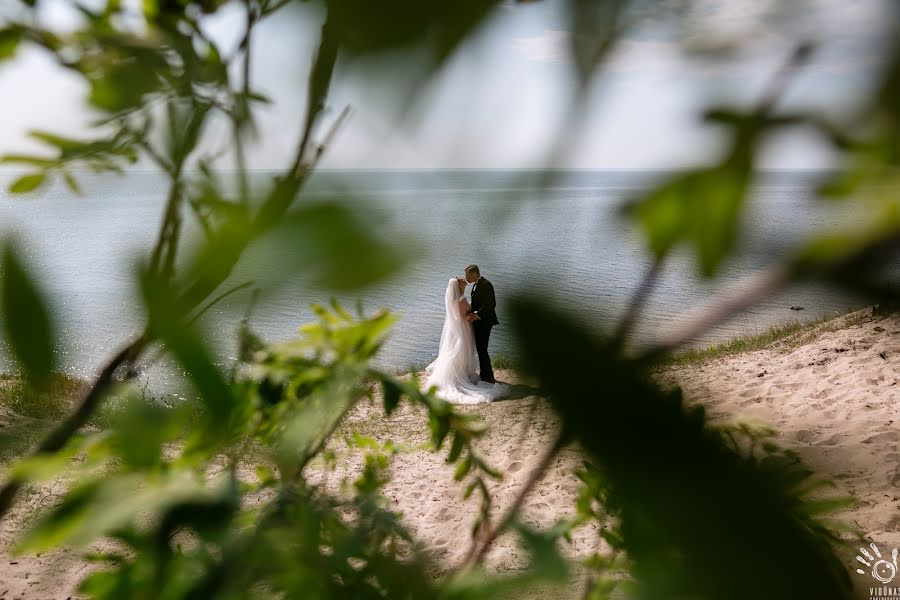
[453,371]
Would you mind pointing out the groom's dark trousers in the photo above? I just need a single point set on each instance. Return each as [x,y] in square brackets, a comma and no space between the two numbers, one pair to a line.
[482,335]
[483,304]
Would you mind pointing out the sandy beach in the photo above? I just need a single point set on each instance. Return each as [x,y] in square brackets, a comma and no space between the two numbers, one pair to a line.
[831,393]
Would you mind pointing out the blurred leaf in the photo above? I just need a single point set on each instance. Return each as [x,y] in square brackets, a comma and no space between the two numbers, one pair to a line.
[168,323]
[335,245]
[595,28]
[208,516]
[27,183]
[95,509]
[185,120]
[308,428]
[701,207]
[71,182]
[364,27]
[28,326]
[392,393]
[141,430]
[122,84]
[546,561]
[36,161]
[43,467]
[676,486]
[463,468]
[10,37]
[456,447]
[439,423]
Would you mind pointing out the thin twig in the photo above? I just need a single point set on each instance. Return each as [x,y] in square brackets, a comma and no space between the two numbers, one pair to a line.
[638,300]
[319,81]
[750,290]
[156,357]
[739,297]
[273,208]
[534,477]
[164,248]
[240,118]
[89,403]
[218,299]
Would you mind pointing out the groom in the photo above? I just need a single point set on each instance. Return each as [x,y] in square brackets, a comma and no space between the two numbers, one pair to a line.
[483,317]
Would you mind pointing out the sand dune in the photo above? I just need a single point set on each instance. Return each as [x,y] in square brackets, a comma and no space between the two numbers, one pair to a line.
[833,396]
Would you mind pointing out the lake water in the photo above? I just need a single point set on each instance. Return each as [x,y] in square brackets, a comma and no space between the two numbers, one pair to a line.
[566,242]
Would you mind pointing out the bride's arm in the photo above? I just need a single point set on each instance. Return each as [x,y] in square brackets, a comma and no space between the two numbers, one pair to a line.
[463,309]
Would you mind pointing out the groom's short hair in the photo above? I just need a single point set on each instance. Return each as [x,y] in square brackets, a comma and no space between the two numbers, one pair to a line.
[473,269]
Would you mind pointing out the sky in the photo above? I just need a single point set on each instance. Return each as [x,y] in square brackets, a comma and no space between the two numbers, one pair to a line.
[500,102]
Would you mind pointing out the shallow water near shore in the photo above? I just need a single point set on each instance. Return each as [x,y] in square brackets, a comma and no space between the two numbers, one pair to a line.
[566,243]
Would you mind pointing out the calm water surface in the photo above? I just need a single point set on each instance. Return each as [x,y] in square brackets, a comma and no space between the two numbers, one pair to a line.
[566,243]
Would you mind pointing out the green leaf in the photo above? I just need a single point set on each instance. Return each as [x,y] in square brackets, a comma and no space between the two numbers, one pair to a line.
[99,507]
[265,475]
[674,486]
[456,447]
[363,27]
[71,182]
[545,557]
[440,427]
[338,247]
[392,393]
[62,143]
[463,468]
[141,430]
[35,161]
[700,207]
[9,41]
[469,489]
[28,326]
[185,120]
[124,84]
[27,183]
[167,322]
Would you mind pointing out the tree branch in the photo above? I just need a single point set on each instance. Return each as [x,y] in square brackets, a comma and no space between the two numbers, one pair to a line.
[534,477]
[638,301]
[736,299]
[240,118]
[89,403]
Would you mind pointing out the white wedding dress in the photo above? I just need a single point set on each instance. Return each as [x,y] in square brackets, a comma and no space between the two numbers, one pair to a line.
[453,371]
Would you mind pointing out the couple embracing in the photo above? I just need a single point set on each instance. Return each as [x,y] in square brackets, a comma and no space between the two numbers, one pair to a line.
[467,329]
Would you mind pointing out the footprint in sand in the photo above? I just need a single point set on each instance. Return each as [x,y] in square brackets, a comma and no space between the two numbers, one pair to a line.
[821,394]
[832,440]
[806,436]
[514,466]
[445,514]
[787,387]
[886,436]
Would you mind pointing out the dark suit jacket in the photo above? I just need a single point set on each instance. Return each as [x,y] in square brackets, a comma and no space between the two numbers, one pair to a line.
[484,303]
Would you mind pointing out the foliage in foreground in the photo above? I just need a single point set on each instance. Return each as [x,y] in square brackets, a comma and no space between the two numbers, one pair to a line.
[181,533]
[679,487]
